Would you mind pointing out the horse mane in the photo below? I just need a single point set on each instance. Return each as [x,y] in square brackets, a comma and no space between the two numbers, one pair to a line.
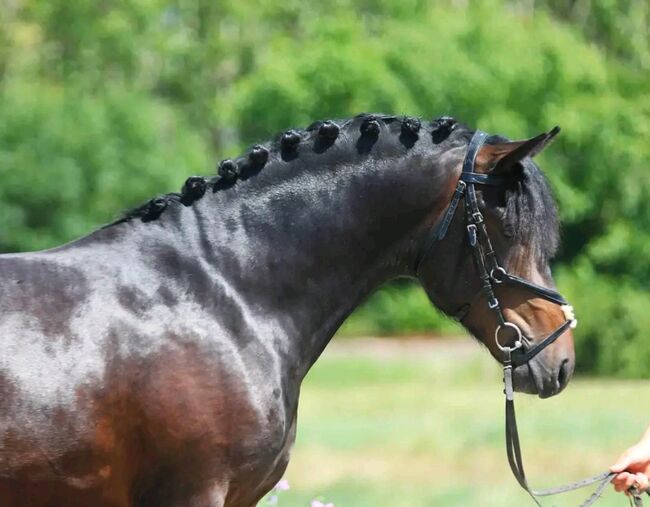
[530,212]
[358,135]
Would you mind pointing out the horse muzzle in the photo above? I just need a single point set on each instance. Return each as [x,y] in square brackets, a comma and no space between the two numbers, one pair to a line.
[544,375]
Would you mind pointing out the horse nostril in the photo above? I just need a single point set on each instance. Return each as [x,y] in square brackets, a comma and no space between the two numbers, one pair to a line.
[564,375]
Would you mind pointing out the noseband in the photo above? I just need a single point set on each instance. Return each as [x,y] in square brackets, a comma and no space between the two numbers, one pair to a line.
[522,350]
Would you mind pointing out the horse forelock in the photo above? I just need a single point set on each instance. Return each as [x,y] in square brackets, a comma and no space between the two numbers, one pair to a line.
[531,215]
[322,143]
[533,211]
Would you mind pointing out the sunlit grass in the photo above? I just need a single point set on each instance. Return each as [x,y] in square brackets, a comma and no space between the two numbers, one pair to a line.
[423,425]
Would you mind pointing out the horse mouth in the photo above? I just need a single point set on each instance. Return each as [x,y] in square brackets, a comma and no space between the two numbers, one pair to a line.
[548,382]
[535,378]
[525,381]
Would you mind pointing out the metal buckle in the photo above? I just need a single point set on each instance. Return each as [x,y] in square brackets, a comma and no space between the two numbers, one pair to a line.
[472,234]
[493,303]
[518,342]
[498,269]
[477,216]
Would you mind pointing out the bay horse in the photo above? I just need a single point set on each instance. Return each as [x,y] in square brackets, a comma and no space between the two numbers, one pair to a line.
[158,360]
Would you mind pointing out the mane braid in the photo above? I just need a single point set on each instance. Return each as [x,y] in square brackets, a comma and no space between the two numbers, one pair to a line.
[362,133]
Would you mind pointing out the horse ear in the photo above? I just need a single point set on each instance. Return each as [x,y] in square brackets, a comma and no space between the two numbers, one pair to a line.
[501,158]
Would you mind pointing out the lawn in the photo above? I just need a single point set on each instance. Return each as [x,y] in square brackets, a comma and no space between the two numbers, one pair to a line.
[421,424]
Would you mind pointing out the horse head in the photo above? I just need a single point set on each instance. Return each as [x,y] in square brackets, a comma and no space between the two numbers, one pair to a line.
[492,269]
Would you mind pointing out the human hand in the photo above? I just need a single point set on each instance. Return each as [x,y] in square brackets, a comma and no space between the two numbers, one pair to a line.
[632,468]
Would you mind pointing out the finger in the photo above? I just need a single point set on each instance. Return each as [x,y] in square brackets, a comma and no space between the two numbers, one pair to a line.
[620,478]
[622,485]
[620,488]
[619,481]
[621,464]
[642,481]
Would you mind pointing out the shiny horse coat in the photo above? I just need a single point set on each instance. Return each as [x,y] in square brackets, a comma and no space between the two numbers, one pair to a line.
[158,361]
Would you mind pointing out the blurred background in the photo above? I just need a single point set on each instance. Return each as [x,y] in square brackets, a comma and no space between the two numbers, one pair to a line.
[104,104]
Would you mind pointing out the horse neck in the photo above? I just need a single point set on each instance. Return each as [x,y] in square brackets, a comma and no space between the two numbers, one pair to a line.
[304,253]
[290,255]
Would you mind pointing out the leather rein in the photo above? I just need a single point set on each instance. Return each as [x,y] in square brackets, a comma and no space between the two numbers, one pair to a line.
[491,274]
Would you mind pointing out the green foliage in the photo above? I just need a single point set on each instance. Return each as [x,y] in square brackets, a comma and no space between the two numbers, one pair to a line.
[401,308]
[69,163]
[620,27]
[104,105]
[613,318]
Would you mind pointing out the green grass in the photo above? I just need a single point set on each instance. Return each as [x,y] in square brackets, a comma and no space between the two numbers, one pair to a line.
[401,427]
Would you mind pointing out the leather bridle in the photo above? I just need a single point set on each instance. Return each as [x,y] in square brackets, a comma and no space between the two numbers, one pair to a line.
[522,350]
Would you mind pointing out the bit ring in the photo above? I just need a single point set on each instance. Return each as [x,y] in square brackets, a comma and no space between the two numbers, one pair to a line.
[518,341]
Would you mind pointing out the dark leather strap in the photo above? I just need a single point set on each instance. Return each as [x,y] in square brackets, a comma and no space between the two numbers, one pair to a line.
[544,292]
[515,460]
[501,276]
[440,230]
[520,356]
[478,139]
[482,179]
[516,465]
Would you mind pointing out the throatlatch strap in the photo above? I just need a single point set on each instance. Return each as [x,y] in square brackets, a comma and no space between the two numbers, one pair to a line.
[467,176]
[438,232]
[441,230]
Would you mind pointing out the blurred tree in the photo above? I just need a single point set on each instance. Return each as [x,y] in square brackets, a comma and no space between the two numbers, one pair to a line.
[69,163]
[104,104]
[619,27]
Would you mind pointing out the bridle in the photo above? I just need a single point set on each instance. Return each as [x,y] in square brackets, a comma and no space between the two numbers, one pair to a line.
[491,274]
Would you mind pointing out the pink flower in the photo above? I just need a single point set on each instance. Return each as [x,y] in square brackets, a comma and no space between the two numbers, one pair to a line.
[318,503]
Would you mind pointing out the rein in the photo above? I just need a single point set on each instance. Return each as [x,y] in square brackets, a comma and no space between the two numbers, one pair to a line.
[491,274]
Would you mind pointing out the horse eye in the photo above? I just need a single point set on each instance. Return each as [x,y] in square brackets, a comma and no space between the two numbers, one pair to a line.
[495,197]
[508,230]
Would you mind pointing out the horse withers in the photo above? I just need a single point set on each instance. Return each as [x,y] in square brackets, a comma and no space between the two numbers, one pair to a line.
[158,360]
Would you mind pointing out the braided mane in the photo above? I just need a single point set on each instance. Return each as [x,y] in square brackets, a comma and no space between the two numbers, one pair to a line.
[361,135]
[530,213]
